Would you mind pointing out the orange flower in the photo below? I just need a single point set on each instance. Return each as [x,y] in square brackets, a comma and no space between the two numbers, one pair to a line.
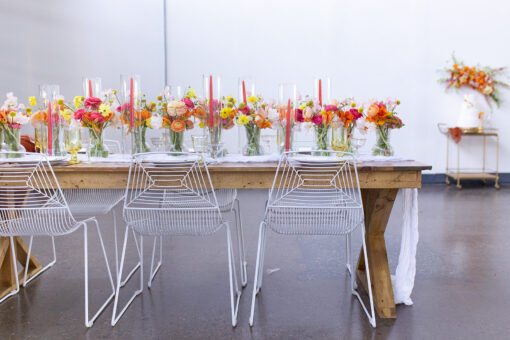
[178,125]
[142,115]
[229,125]
[189,124]
[199,112]
[373,110]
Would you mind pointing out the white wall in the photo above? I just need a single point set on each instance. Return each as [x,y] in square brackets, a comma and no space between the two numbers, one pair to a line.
[370,48]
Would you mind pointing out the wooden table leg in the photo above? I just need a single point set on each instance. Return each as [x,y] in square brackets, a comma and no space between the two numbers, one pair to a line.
[7,278]
[377,204]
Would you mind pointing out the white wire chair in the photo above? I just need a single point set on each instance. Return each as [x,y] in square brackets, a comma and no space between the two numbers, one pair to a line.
[314,196]
[32,204]
[172,195]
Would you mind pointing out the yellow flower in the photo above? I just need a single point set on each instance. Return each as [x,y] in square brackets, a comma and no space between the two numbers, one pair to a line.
[231,100]
[66,114]
[353,104]
[32,101]
[360,110]
[190,94]
[29,110]
[251,99]
[159,98]
[225,112]
[104,110]
[60,102]
[243,119]
[78,101]
[201,124]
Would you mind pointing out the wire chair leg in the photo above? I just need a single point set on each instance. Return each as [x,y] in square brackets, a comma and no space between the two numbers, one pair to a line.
[258,266]
[90,322]
[114,216]
[371,315]
[235,292]
[115,316]
[262,257]
[13,254]
[240,240]
[49,265]
[348,253]
[132,272]
[158,266]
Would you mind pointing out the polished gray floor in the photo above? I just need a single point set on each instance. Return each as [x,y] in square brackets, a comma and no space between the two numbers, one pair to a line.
[461,291]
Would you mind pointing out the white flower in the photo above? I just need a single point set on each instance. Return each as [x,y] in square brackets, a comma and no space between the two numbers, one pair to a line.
[273,115]
[176,108]
[17,118]
[363,126]
[155,122]
[11,102]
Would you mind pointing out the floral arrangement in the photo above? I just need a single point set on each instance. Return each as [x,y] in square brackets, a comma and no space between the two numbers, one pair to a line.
[176,115]
[480,79]
[385,118]
[320,117]
[12,118]
[253,115]
[95,114]
[347,114]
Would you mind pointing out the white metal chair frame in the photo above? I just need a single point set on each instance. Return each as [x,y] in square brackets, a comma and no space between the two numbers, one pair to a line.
[171,195]
[32,203]
[315,196]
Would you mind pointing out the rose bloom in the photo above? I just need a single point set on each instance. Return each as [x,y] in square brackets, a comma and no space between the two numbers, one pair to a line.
[176,108]
[78,114]
[373,110]
[188,103]
[92,103]
[317,119]
[308,112]
[299,115]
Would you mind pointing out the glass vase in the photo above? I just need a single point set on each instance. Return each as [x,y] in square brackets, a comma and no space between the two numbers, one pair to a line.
[216,148]
[12,143]
[58,145]
[382,145]
[139,140]
[252,147]
[97,147]
[72,137]
[321,140]
[341,139]
[176,139]
[281,138]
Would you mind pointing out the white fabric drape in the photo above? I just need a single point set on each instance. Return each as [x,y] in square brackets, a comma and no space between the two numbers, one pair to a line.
[403,280]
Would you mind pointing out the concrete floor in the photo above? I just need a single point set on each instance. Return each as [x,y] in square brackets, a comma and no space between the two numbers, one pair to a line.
[461,290]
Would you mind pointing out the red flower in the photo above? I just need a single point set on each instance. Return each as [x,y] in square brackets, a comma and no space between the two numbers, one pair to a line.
[355,113]
[78,114]
[96,116]
[331,108]
[317,119]
[299,115]
[188,103]
[92,103]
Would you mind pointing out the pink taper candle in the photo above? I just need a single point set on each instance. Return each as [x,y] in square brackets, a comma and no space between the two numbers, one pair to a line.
[131,104]
[90,88]
[211,104]
[320,92]
[287,134]
[50,131]
[244,94]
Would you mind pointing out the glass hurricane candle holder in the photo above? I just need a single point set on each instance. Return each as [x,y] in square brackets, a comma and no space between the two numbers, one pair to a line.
[130,97]
[92,87]
[212,94]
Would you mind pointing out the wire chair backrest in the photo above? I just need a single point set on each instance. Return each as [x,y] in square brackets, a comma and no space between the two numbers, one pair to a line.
[170,194]
[31,201]
[315,194]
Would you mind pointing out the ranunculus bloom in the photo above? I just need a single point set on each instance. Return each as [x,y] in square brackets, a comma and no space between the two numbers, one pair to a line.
[188,103]
[92,103]
[299,115]
[355,113]
[96,116]
[373,110]
[78,114]
[189,124]
[176,108]
[308,112]
[178,125]
[331,108]
[317,119]
[245,110]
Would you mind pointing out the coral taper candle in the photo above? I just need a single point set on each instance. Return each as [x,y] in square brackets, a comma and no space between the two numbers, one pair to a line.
[131,104]
[244,94]
[320,92]
[50,131]
[287,132]
[211,104]
[90,88]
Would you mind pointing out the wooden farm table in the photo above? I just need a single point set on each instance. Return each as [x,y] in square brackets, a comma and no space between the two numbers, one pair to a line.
[379,181]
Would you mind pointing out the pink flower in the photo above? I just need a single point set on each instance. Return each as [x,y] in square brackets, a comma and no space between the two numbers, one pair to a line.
[331,108]
[92,103]
[123,107]
[245,110]
[96,116]
[355,113]
[188,103]
[317,119]
[78,114]
[299,115]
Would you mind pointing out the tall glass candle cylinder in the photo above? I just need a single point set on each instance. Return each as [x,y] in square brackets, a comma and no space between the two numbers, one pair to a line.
[92,87]
[322,90]
[130,97]
[213,104]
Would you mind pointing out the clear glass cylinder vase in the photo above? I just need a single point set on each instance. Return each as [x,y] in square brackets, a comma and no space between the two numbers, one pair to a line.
[341,139]
[252,147]
[382,145]
[97,147]
[139,139]
[281,138]
[176,141]
[321,140]
[12,143]
[216,148]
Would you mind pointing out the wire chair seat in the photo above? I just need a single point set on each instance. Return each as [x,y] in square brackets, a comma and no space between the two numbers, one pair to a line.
[92,202]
